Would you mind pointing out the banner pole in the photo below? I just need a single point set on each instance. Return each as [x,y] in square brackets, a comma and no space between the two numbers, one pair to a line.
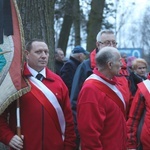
[18,118]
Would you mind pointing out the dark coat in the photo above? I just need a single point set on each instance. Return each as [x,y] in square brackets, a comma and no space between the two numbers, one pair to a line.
[58,66]
[84,70]
[68,70]
[134,79]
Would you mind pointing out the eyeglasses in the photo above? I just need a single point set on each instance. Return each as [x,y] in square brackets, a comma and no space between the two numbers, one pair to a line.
[108,43]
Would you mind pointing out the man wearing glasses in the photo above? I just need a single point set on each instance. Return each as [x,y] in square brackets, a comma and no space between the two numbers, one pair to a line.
[84,70]
[109,43]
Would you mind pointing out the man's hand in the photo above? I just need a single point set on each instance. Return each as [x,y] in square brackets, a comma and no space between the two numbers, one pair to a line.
[16,142]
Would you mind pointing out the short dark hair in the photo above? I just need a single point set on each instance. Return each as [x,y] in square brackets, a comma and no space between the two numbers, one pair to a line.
[29,44]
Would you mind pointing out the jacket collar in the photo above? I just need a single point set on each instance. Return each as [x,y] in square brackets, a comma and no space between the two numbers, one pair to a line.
[75,60]
[112,81]
[92,58]
[27,73]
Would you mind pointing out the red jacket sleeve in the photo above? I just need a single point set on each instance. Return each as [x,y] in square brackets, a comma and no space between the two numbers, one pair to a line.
[69,132]
[135,114]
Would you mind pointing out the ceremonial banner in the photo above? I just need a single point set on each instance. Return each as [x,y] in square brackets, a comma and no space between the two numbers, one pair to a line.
[12,85]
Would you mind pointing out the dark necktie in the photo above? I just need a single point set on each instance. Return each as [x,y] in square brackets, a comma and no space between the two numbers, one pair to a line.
[39,76]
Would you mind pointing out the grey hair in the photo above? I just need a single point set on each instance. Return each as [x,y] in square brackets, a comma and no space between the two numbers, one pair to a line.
[98,37]
[57,50]
[105,55]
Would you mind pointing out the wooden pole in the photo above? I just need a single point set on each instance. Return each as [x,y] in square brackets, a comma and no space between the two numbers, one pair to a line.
[18,118]
[4,52]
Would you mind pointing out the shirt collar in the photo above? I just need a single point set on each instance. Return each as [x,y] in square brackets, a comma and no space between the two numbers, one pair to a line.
[34,72]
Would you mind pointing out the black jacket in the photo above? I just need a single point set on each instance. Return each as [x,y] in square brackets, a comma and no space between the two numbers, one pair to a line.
[58,66]
[68,70]
[134,79]
[83,71]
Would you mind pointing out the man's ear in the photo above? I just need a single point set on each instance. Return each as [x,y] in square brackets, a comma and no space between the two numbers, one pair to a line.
[97,44]
[26,53]
[109,64]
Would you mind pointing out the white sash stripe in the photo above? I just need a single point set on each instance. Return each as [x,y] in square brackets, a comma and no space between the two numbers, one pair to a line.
[53,100]
[147,84]
[113,87]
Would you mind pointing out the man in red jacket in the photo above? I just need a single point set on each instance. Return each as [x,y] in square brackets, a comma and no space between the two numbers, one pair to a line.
[138,131]
[85,69]
[45,112]
[101,107]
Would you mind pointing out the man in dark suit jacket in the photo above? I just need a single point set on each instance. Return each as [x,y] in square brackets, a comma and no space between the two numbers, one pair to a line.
[68,70]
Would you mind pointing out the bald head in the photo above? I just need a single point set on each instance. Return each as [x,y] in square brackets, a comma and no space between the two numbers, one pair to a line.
[106,54]
[109,59]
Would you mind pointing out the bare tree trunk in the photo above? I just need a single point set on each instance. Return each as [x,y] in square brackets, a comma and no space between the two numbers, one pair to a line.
[77,22]
[94,23]
[66,26]
[38,22]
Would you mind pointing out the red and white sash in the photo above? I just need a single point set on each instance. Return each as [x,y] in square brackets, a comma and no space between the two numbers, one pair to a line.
[109,89]
[50,97]
[145,88]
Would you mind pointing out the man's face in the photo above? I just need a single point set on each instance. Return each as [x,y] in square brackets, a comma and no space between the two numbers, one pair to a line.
[106,39]
[82,57]
[60,55]
[37,58]
[116,65]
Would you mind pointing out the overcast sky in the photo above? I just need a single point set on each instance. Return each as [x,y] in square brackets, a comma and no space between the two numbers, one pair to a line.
[132,11]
